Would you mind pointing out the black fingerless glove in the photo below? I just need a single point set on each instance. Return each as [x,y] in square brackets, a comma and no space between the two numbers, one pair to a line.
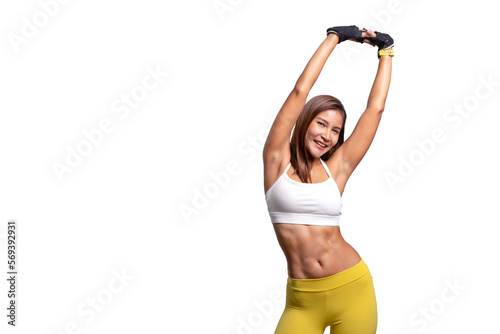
[382,41]
[346,32]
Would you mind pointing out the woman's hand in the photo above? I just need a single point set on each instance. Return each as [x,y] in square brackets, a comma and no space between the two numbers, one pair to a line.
[350,33]
[381,40]
[366,36]
[353,33]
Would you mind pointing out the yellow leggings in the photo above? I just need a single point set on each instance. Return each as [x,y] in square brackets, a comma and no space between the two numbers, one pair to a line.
[344,301]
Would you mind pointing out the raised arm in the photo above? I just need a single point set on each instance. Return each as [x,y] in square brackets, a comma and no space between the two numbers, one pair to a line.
[354,148]
[279,135]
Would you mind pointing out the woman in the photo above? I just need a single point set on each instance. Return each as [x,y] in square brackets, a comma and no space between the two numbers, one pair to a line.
[328,283]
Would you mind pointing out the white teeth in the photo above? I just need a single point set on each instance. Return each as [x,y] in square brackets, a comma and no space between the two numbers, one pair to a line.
[320,144]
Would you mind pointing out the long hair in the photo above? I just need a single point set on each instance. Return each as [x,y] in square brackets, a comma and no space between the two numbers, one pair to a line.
[301,159]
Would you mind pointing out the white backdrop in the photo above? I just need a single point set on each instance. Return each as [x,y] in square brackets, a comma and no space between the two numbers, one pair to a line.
[131,137]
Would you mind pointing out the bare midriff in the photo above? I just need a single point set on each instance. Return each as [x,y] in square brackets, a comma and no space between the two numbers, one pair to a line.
[314,251]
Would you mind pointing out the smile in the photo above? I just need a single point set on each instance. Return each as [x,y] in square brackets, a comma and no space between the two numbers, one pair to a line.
[319,145]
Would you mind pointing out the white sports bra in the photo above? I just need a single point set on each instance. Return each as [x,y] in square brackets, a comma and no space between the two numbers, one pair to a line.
[294,202]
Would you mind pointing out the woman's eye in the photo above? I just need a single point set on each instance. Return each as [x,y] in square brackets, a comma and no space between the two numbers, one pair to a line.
[320,123]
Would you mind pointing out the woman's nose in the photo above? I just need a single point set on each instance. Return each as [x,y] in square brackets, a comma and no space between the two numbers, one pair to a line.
[326,135]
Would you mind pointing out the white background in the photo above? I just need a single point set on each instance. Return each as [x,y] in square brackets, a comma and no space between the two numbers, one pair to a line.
[121,208]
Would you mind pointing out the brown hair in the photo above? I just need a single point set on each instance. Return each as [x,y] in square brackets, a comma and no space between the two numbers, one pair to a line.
[300,158]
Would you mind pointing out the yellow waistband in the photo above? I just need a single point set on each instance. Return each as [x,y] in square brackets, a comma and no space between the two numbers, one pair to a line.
[329,282]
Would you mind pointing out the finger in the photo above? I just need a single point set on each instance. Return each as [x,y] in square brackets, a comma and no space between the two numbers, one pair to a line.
[368,42]
[368,33]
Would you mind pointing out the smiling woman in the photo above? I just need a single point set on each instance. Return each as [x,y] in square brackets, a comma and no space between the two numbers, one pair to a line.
[320,126]
[328,283]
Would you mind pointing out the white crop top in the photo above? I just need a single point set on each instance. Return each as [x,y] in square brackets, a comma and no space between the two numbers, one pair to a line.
[294,202]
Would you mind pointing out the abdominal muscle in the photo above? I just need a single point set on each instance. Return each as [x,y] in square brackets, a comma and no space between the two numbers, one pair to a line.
[314,251]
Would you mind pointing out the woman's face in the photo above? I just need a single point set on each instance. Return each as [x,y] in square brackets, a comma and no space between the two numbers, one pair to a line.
[323,130]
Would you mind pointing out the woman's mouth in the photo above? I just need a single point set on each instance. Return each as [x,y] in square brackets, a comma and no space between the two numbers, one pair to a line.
[320,146]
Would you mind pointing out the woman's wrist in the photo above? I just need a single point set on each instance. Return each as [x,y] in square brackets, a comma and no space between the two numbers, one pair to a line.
[334,38]
[386,53]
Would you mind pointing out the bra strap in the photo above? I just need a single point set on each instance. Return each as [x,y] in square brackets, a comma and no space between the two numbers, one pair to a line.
[289,164]
[326,167]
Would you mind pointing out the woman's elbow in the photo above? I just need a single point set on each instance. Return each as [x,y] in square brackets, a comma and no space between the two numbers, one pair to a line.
[376,109]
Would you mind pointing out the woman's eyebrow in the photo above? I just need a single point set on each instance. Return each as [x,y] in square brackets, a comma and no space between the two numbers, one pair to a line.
[324,120]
